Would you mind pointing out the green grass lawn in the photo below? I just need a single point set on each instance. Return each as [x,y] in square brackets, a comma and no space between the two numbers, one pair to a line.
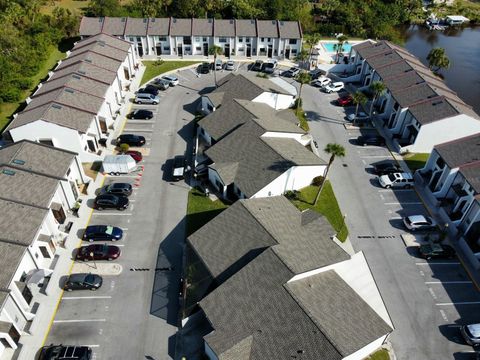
[327,206]
[154,68]
[416,161]
[7,109]
[302,119]
[75,6]
[381,354]
[200,210]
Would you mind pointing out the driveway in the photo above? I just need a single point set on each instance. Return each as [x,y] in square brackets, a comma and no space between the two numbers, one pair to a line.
[425,307]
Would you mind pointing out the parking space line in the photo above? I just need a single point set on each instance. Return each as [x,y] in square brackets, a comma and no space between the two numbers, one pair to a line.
[396,218]
[403,203]
[92,346]
[124,229]
[79,320]
[374,156]
[459,303]
[85,297]
[437,263]
[444,316]
[139,130]
[364,162]
[122,176]
[113,214]
[448,282]
[147,122]
[120,245]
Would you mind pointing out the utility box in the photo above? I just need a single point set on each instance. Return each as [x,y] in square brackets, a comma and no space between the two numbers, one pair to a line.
[118,164]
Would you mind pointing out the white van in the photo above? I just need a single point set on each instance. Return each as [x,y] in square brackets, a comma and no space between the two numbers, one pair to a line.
[396,180]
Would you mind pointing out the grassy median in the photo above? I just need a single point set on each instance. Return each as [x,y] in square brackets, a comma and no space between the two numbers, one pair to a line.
[158,67]
[200,210]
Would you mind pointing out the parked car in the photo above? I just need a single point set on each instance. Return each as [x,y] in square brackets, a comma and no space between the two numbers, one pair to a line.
[124,189]
[102,233]
[292,72]
[334,87]
[109,201]
[346,101]
[146,98]
[471,333]
[257,65]
[204,68]
[83,281]
[178,170]
[149,89]
[361,117]
[171,80]
[218,64]
[136,155]
[395,180]
[230,65]
[321,82]
[140,114]
[371,140]
[316,73]
[161,84]
[269,66]
[130,139]
[436,251]
[65,352]
[98,252]
[419,222]
[386,167]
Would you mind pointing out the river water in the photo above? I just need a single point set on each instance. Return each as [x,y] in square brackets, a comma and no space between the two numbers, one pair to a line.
[462,47]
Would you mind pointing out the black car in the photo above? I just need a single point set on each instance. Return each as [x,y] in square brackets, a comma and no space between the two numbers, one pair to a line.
[140,114]
[102,233]
[109,201]
[149,89]
[83,281]
[161,84]
[385,168]
[257,65]
[204,68]
[178,170]
[124,189]
[436,251]
[371,140]
[65,352]
[130,139]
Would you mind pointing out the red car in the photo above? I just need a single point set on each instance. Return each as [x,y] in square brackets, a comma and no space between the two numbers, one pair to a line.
[98,252]
[136,155]
[345,100]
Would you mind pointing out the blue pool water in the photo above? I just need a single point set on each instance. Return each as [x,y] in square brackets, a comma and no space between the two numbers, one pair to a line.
[329,47]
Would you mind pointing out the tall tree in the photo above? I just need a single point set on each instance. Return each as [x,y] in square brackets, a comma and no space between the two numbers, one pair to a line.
[215,51]
[303,78]
[302,57]
[438,59]
[311,40]
[334,150]
[103,8]
[338,47]
[359,98]
[378,88]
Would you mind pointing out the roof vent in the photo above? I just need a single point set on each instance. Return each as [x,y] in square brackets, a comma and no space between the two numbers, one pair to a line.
[101,43]
[152,19]
[231,21]
[69,90]
[76,77]
[437,103]
[145,20]
[88,60]
[431,96]
[81,72]
[18,162]
[123,19]
[56,106]
[8,172]
[174,20]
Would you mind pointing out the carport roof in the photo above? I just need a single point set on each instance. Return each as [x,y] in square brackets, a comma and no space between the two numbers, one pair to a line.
[10,257]
[461,151]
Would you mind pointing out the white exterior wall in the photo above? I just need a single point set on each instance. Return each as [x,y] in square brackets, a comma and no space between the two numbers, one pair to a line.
[12,314]
[299,137]
[162,41]
[276,101]
[229,41]
[442,131]
[64,196]
[62,137]
[295,178]
[363,353]
[212,177]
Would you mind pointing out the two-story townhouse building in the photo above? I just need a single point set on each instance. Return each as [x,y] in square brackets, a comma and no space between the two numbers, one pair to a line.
[202,36]
[136,29]
[417,109]
[181,36]
[246,38]
[224,36]
[157,33]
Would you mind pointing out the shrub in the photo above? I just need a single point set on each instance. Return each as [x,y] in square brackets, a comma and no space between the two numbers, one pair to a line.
[10,94]
[291,195]
[24,83]
[158,62]
[262,75]
[124,147]
[317,181]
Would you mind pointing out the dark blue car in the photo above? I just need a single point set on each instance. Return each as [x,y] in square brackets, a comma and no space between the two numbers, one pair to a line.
[102,233]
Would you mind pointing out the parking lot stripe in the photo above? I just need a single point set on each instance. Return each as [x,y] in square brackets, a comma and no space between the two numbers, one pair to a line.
[448,282]
[112,214]
[85,297]
[459,303]
[92,346]
[404,203]
[375,156]
[139,130]
[437,263]
[79,320]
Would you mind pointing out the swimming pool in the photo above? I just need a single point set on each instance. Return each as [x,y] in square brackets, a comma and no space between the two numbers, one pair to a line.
[329,47]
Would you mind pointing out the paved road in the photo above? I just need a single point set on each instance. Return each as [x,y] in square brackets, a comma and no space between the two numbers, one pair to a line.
[134,314]
[426,300]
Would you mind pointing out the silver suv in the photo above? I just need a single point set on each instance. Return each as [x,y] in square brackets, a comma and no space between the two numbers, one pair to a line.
[145,98]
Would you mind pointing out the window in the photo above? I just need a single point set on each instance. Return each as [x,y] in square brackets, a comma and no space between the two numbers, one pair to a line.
[269,40]
[294,51]
[197,39]
[204,39]
[247,40]
[162,38]
[187,40]
[292,41]
[131,39]
[240,39]
[198,48]
[262,39]
[222,39]
[139,39]
[166,48]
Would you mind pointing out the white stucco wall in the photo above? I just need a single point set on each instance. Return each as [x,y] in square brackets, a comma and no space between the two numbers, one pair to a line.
[442,131]
[304,140]
[276,101]
[363,353]
[295,178]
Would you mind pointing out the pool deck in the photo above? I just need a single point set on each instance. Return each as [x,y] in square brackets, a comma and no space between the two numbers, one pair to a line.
[325,56]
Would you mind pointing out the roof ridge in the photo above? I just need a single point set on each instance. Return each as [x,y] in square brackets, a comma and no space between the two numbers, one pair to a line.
[96,41]
[83,61]
[64,86]
[77,74]
[33,172]
[24,203]
[242,201]
[470,165]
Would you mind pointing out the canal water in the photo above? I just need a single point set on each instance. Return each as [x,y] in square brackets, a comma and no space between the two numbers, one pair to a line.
[462,47]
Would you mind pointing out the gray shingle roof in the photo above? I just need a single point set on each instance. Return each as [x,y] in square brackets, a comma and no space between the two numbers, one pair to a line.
[136,26]
[158,26]
[90,26]
[202,27]
[108,40]
[290,29]
[114,26]
[254,303]
[101,49]
[471,173]
[10,257]
[413,94]
[85,69]
[259,159]
[19,223]
[267,28]
[77,82]
[37,157]
[224,27]
[246,28]
[339,312]
[180,27]
[461,151]
[100,61]
[432,110]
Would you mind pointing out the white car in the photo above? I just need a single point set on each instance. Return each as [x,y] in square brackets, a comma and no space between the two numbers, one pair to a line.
[402,180]
[321,81]
[334,87]
[361,116]
[419,222]
[230,65]
[292,72]
[471,333]
[172,80]
[218,64]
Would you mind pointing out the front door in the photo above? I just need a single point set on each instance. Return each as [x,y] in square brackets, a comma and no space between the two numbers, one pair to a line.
[249,50]
[59,215]
[91,146]
[103,124]
[270,51]
[14,334]
[180,50]
[205,49]
[158,49]
[140,50]
[44,252]
[126,73]
[287,53]
[227,50]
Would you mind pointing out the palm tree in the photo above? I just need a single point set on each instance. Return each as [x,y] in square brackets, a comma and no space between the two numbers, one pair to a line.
[302,56]
[378,88]
[215,50]
[359,98]
[338,47]
[303,78]
[335,150]
[437,59]
[312,40]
